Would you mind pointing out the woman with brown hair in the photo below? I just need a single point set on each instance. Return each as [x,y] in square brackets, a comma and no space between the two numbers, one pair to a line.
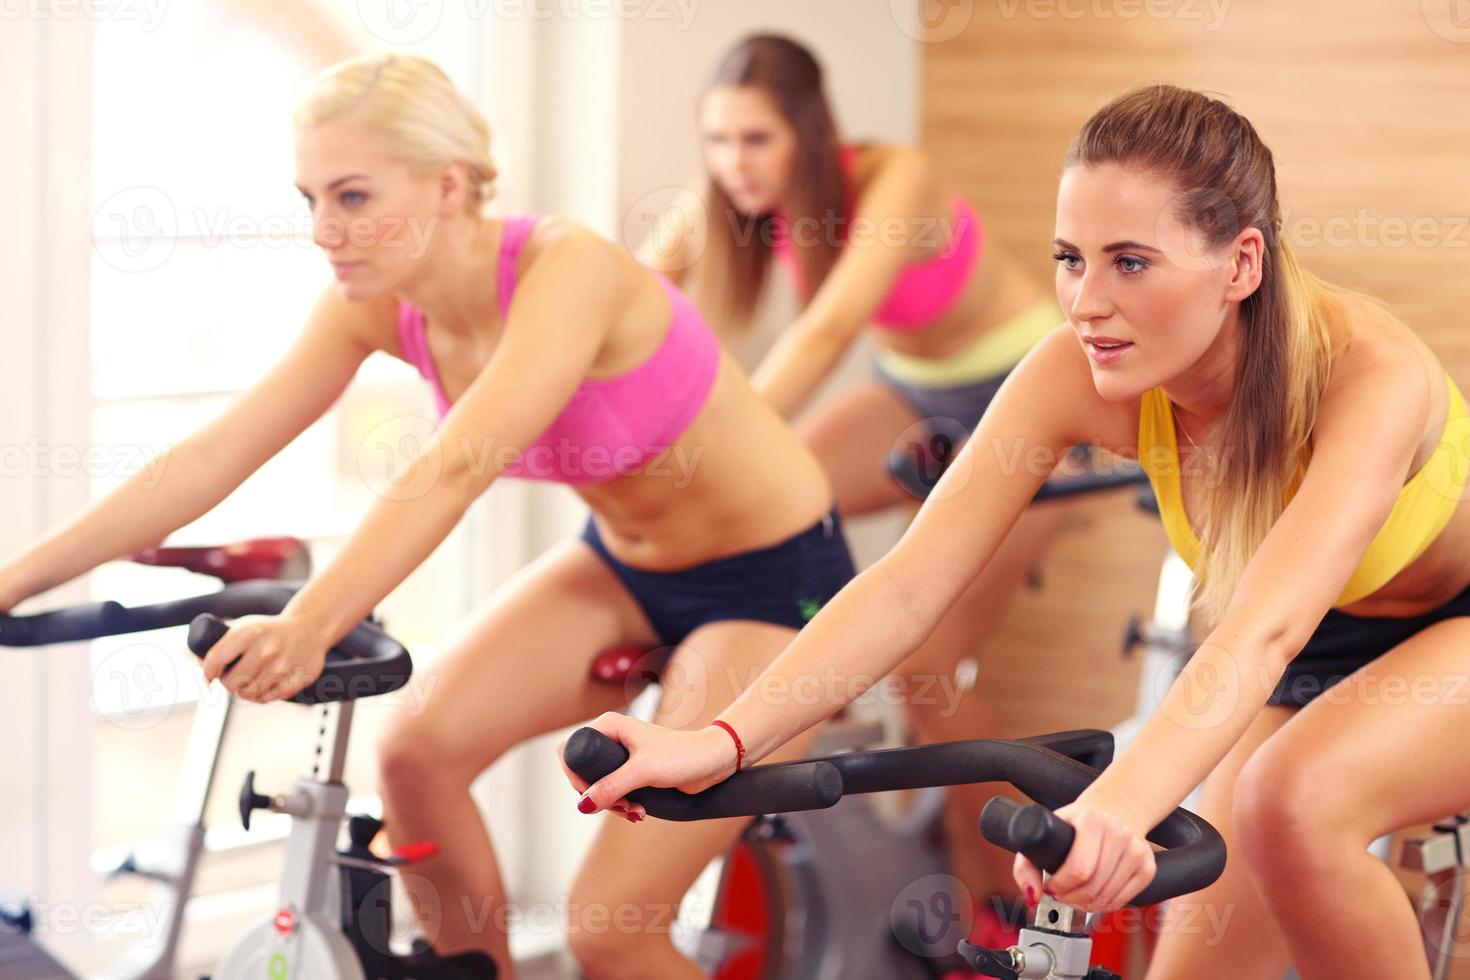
[551,355]
[1310,456]
[872,239]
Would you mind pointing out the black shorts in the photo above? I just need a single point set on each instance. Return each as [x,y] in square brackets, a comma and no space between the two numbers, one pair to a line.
[1342,643]
[785,583]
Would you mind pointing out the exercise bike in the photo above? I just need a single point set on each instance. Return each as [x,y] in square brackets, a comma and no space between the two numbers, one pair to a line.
[333,918]
[1051,769]
[788,901]
[172,872]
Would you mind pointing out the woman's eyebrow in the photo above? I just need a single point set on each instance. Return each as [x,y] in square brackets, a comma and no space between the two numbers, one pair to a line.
[335,183]
[1124,246]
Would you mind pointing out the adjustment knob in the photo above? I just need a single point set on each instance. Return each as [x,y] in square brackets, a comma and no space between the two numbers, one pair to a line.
[361,829]
[250,800]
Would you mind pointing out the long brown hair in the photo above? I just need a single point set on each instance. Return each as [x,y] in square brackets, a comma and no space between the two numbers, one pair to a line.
[1225,180]
[738,249]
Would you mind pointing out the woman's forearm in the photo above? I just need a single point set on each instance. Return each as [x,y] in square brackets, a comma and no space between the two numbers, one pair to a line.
[794,368]
[1208,708]
[862,633]
[395,538]
[179,486]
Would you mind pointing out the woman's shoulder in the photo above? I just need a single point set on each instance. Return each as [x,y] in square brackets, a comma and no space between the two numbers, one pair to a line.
[1379,360]
[1370,340]
[370,323]
[565,238]
[1059,367]
[580,256]
[867,160]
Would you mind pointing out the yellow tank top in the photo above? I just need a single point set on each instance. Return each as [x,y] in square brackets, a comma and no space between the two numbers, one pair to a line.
[1423,508]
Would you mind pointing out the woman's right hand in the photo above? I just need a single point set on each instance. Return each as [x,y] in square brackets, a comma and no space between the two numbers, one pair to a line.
[689,761]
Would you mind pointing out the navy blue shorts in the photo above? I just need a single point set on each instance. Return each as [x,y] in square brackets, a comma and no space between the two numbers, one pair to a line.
[1342,643]
[784,584]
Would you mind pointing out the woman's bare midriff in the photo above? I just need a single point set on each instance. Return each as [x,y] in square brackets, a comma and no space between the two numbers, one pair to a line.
[737,479]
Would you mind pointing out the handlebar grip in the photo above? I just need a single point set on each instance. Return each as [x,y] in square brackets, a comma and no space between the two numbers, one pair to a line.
[204,632]
[780,788]
[68,625]
[1193,859]
[1032,830]
[364,663]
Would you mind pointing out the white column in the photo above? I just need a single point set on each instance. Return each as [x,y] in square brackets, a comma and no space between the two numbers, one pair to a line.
[45,187]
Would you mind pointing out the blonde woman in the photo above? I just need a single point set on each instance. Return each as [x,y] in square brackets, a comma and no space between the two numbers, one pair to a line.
[1310,455]
[552,355]
[875,243]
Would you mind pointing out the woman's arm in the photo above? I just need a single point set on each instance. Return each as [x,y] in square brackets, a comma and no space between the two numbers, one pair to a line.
[881,244]
[1046,405]
[1368,428]
[199,471]
[1367,431]
[563,308]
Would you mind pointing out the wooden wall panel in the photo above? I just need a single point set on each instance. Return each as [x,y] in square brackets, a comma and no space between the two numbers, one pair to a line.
[1365,106]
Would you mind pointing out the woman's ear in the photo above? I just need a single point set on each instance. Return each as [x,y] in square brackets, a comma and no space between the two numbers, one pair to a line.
[1246,265]
[454,187]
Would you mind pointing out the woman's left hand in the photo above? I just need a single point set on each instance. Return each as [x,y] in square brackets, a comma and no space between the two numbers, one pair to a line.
[1110,861]
[278,656]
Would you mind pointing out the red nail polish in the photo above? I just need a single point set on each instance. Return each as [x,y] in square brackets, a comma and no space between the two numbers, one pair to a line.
[585,805]
[1031,896]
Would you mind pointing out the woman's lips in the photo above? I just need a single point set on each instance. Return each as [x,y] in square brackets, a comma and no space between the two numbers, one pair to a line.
[1106,352]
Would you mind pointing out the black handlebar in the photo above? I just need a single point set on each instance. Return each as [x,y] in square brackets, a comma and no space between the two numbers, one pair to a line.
[364,663]
[263,597]
[1193,859]
[917,473]
[1047,768]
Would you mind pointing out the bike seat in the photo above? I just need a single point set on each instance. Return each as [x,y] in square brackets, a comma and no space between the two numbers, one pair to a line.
[618,665]
[272,558]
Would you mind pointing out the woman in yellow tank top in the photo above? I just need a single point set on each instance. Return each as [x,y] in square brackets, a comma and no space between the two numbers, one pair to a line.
[1318,496]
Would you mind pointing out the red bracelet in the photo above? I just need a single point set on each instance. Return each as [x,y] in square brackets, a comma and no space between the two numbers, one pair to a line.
[739,745]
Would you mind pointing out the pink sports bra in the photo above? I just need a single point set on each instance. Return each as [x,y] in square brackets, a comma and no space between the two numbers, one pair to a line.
[924,291]
[612,426]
